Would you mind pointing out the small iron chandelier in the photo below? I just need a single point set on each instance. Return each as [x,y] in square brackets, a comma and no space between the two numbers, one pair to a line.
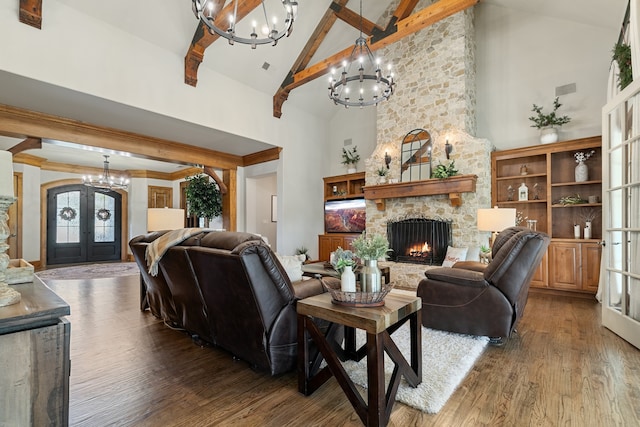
[370,86]
[105,181]
[204,11]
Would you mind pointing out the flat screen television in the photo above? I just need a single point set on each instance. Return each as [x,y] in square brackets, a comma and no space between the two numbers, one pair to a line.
[344,216]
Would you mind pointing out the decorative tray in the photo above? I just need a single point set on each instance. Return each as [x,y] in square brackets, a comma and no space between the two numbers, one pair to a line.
[357,299]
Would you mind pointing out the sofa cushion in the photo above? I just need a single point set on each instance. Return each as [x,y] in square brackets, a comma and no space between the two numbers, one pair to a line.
[454,255]
[292,265]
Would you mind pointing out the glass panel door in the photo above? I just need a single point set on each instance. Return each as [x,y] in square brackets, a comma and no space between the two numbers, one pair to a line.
[620,279]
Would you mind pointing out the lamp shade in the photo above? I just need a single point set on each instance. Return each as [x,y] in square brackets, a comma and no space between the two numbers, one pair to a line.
[496,219]
[164,219]
[6,173]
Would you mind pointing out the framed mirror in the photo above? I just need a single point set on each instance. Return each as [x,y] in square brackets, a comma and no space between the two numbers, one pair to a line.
[416,156]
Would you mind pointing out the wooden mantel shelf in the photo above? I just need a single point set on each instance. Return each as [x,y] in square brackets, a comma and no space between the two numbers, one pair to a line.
[452,186]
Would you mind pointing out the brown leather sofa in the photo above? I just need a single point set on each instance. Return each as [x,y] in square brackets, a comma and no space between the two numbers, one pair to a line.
[478,299]
[228,289]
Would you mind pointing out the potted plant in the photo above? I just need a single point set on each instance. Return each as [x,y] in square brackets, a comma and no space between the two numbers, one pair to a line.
[622,55]
[444,171]
[350,158]
[547,122]
[203,197]
[342,258]
[382,175]
[303,251]
[370,249]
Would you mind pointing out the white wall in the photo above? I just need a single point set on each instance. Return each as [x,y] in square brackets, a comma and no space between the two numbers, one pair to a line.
[108,63]
[357,124]
[259,192]
[522,57]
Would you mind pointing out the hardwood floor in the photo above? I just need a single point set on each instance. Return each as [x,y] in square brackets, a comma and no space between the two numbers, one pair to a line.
[129,369]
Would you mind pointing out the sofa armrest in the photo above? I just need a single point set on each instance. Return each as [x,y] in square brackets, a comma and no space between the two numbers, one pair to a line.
[307,288]
[470,265]
[457,276]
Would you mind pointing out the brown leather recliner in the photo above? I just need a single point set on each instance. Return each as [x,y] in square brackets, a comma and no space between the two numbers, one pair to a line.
[228,289]
[475,299]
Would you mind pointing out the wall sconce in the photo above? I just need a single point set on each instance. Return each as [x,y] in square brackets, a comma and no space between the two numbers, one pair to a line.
[387,159]
[448,148]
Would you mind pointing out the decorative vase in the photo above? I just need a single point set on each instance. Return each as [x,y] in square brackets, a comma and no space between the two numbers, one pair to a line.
[352,169]
[548,135]
[348,280]
[370,276]
[587,230]
[582,172]
[576,231]
[382,179]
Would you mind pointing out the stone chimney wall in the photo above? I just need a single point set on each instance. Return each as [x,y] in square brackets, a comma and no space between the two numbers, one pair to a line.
[435,91]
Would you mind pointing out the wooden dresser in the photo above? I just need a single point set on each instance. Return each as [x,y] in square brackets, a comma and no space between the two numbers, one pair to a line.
[34,356]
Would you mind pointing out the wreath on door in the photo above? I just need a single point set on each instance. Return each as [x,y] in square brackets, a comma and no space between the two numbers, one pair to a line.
[68,213]
[103,214]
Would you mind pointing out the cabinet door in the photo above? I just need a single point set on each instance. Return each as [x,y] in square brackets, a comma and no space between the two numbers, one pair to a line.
[591,266]
[539,279]
[564,265]
[348,240]
[324,247]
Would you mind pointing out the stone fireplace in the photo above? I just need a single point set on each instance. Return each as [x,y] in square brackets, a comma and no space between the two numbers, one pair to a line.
[435,91]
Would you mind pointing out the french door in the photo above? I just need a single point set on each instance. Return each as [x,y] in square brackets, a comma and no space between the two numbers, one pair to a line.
[620,279]
[83,225]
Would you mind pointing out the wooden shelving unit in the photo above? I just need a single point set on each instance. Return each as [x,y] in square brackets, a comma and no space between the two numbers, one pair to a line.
[340,187]
[571,263]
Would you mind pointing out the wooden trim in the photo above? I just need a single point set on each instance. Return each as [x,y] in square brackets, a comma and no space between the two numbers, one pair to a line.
[18,123]
[452,186]
[229,202]
[261,157]
[27,144]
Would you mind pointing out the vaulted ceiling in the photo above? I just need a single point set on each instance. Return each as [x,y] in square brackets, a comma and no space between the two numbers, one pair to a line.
[323,33]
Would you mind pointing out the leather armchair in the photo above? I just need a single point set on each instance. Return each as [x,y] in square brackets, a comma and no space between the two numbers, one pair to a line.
[476,299]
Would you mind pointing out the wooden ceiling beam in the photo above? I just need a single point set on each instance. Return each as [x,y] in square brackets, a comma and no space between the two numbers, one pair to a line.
[354,19]
[18,123]
[27,144]
[31,13]
[408,26]
[303,60]
[203,38]
[404,9]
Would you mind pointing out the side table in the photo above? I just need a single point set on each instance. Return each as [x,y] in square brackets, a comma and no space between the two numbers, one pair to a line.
[378,323]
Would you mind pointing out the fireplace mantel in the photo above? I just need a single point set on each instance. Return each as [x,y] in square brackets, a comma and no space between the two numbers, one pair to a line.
[452,186]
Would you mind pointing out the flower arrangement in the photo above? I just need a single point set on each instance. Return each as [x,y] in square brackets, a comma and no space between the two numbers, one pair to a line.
[382,172]
[343,258]
[542,120]
[583,157]
[350,157]
[588,215]
[371,247]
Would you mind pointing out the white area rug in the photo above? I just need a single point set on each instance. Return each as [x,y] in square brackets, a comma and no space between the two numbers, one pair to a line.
[446,360]
[90,271]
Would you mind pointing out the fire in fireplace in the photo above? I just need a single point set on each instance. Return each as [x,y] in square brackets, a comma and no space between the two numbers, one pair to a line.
[419,240]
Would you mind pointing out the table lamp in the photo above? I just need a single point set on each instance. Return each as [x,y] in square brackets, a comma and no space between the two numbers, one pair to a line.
[164,219]
[495,220]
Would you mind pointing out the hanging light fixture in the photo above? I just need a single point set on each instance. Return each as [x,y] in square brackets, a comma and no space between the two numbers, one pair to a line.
[369,86]
[205,11]
[105,181]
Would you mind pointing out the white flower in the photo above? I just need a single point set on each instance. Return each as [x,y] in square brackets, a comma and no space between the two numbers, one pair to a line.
[582,157]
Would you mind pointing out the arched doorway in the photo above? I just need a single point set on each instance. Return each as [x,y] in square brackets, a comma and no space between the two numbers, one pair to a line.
[84,224]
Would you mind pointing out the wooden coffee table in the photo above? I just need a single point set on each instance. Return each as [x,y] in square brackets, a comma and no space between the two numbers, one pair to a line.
[379,323]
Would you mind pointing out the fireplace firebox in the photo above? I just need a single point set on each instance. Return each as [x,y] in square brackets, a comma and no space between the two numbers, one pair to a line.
[419,240]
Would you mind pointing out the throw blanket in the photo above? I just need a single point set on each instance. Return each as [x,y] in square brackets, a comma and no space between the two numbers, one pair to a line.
[161,245]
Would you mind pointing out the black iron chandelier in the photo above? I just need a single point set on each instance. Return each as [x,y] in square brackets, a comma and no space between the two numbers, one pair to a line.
[205,11]
[368,85]
[105,181]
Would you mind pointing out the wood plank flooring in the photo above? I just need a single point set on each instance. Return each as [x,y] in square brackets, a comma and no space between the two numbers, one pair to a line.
[129,369]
